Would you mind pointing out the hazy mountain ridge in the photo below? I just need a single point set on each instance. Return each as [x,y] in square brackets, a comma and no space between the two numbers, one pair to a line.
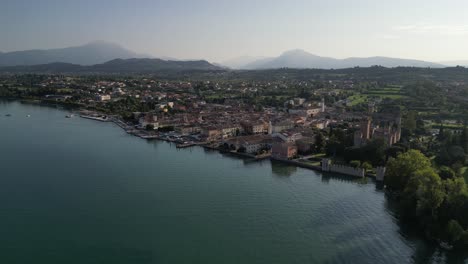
[88,54]
[240,62]
[302,60]
[455,63]
[101,52]
[115,66]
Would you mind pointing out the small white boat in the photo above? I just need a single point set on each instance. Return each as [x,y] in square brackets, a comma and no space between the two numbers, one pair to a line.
[28,116]
[69,116]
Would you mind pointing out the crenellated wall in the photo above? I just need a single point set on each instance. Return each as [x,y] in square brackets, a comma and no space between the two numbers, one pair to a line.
[329,167]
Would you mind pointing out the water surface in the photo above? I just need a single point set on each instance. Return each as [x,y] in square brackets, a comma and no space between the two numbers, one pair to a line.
[81,191]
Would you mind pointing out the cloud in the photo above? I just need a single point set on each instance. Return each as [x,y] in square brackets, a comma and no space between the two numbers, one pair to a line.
[430,29]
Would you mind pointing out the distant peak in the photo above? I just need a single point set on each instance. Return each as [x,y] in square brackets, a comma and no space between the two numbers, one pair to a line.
[102,43]
[295,52]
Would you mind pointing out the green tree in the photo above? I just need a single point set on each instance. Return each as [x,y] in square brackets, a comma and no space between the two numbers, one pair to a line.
[464,138]
[319,142]
[367,166]
[400,170]
[410,121]
[454,231]
[446,173]
[355,163]
[427,190]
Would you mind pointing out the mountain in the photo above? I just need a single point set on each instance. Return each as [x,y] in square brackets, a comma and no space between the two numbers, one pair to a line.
[150,65]
[302,59]
[124,66]
[240,62]
[463,63]
[89,54]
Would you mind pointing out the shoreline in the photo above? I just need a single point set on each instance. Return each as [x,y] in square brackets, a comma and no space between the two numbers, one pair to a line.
[100,117]
[180,145]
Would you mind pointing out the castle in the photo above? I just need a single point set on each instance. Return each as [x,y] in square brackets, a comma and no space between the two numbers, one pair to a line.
[386,126]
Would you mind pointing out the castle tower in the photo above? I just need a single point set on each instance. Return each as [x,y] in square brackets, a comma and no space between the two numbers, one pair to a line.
[326,163]
[371,108]
[380,173]
[366,129]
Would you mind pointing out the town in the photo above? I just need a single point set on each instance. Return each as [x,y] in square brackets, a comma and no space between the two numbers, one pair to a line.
[354,124]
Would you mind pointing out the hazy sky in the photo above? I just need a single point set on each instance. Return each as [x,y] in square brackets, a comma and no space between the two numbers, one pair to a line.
[216,30]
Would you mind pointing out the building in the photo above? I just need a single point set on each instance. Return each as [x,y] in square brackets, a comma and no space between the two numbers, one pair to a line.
[288,136]
[389,131]
[277,127]
[299,101]
[249,144]
[307,112]
[362,136]
[149,120]
[305,144]
[283,150]
[187,129]
[103,97]
[254,128]
[211,133]
[230,130]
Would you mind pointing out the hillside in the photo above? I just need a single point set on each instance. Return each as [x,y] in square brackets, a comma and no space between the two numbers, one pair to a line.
[116,66]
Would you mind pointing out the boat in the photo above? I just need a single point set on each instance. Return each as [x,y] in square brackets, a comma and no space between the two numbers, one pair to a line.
[28,116]
[69,116]
[8,115]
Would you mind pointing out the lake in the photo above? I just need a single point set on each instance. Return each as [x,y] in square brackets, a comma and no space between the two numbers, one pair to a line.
[79,191]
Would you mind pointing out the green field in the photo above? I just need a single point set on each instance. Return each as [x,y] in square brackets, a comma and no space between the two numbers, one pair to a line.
[386,92]
[383,93]
[448,126]
[357,99]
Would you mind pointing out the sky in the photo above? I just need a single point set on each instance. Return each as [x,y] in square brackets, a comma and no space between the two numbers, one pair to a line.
[218,30]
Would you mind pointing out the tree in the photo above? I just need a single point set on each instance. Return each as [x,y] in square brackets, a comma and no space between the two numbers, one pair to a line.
[319,142]
[454,206]
[410,121]
[400,170]
[427,190]
[464,138]
[457,154]
[446,173]
[454,231]
[366,166]
[355,163]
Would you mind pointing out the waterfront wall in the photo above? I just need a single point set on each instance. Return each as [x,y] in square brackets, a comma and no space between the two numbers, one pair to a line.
[347,170]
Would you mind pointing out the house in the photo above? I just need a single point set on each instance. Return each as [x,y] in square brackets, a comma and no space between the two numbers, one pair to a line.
[103,97]
[187,130]
[283,150]
[249,144]
[211,133]
[230,130]
[288,136]
[149,120]
[277,127]
[254,128]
